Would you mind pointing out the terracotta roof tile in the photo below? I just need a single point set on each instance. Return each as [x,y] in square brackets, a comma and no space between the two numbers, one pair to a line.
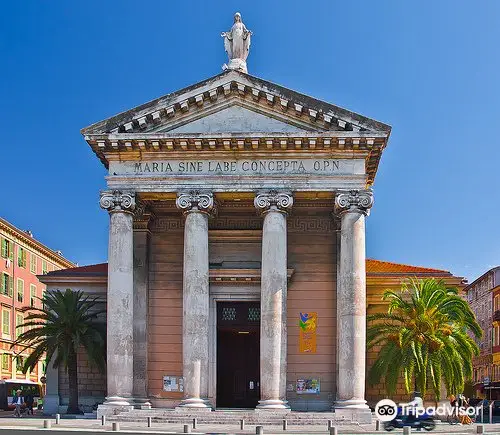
[372,267]
[381,267]
[91,270]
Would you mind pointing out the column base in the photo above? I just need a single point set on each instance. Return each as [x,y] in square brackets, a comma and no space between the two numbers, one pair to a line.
[51,404]
[353,410]
[194,403]
[114,405]
[273,405]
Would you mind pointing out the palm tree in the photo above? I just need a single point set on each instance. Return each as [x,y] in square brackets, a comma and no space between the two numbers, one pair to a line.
[425,337]
[66,323]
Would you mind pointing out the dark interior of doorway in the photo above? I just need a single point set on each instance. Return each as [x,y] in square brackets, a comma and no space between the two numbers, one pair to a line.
[238,354]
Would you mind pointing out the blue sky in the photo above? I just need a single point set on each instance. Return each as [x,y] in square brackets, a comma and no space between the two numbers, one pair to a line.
[430,69]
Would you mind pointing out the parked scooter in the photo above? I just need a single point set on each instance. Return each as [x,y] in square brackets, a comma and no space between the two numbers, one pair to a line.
[424,421]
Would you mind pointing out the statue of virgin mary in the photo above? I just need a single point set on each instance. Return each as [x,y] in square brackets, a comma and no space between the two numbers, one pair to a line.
[237,44]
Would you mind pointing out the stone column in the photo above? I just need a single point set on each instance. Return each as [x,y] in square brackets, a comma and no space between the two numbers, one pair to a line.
[195,321]
[141,300]
[273,330]
[352,207]
[120,303]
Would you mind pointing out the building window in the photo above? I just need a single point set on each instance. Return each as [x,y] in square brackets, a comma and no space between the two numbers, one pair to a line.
[44,267]
[7,251]
[5,322]
[19,322]
[6,284]
[32,295]
[33,263]
[20,290]
[6,362]
[20,364]
[21,257]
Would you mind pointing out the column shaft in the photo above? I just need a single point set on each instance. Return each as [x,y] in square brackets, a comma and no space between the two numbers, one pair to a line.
[351,310]
[352,206]
[120,314]
[195,323]
[273,300]
[273,338]
[120,302]
[141,300]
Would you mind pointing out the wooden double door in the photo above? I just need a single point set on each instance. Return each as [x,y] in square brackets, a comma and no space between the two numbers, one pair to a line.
[238,354]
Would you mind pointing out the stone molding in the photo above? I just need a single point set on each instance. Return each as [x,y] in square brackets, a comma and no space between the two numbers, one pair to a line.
[273,200]
[196,201]
[359,201]
[117,201]
[295,224]
[240,276]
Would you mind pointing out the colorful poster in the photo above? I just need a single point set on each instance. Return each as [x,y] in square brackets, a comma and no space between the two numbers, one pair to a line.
[307,386]
[307,334]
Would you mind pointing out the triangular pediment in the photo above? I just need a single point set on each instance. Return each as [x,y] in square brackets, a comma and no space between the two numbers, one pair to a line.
[234,102]
[234,118]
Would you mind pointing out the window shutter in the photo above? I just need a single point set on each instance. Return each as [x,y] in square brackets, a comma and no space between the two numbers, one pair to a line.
[4,248]
[24,258]
[11,251]
[6,322]
[2,284]
[11,286]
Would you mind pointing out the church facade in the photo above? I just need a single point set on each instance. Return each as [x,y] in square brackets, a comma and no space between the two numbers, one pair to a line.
[236,269]
[237,199]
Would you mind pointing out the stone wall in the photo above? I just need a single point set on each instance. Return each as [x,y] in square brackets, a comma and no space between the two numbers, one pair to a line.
[91,384]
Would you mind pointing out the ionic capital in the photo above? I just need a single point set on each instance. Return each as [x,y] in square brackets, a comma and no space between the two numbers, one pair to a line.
[196,201]
[117,201]
[273,200]
[359,201]
[142,216]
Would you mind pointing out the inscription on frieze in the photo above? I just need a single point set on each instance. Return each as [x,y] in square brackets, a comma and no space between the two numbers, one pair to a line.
[248,167]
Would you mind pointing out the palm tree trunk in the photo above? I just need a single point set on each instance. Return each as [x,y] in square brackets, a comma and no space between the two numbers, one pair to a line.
[73,383]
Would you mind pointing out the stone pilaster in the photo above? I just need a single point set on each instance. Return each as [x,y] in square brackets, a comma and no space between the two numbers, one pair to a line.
[120,301]
[51,398]
[352,207]
[141,301]
[197,206]
[273,327]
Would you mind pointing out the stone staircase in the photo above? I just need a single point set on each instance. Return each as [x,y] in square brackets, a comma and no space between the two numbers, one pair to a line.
[251,417]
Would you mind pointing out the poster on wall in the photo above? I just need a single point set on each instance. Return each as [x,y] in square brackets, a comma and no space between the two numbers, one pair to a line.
[307,386]
[173,383]
[307,334]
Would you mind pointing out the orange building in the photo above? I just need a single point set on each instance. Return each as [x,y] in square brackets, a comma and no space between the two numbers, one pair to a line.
[22,259]
[483,295]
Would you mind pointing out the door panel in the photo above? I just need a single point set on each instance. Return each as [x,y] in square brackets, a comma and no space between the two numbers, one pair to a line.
[238,354]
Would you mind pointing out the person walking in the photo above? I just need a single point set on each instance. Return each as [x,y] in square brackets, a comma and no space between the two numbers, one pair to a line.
[18,403]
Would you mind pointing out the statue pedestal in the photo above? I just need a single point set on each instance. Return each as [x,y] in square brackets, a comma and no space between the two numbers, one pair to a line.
[238,64]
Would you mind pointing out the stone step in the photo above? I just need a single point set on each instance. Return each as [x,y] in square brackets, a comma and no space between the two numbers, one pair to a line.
[228,417]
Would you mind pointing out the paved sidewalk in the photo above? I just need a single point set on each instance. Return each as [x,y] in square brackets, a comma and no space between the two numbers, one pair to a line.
[28,425]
